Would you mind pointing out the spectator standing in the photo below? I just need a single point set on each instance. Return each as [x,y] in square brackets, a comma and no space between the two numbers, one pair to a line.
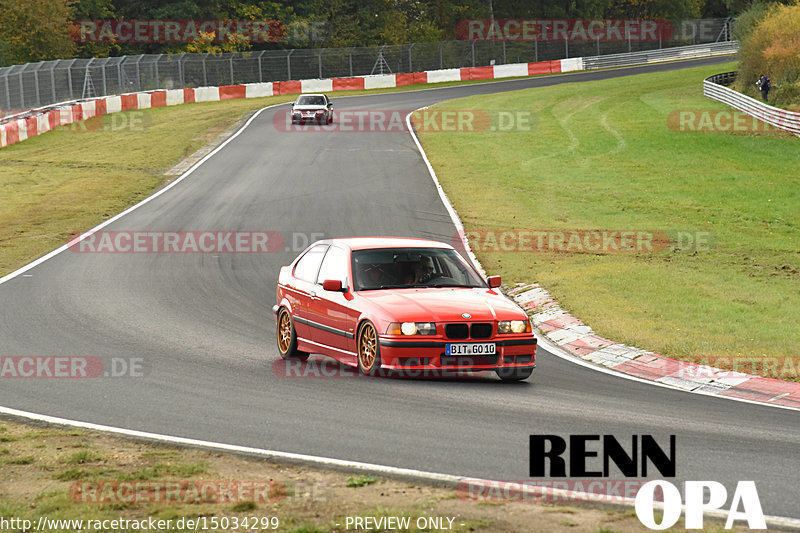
[763,85]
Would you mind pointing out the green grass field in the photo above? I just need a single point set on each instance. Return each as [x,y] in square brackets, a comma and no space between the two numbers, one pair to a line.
[602,156]
[67,181]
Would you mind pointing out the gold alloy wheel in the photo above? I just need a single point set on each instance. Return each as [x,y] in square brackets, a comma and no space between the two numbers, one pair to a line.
[367,348]
[284,332]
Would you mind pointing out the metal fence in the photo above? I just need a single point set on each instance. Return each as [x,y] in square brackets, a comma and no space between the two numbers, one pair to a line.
[716,88]
[664,54]
[35,85]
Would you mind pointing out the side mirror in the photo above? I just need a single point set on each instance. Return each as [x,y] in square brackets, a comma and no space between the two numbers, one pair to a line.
[494,281]
[332,285]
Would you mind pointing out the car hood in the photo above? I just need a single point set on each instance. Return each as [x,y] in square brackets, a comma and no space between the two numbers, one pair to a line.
[443,305]
[310,108]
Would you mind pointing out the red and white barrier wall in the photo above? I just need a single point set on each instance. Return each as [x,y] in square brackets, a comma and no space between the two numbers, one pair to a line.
[40,121]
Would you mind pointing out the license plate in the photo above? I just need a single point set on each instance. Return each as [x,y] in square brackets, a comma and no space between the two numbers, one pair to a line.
[477,348]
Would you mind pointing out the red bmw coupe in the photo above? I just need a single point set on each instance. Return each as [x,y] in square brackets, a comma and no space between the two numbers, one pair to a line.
[400,304]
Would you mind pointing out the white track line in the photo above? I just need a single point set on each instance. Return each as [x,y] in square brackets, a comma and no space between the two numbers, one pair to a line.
[328,462]
[542,340]
[267,454]
[421,475]
[155,195]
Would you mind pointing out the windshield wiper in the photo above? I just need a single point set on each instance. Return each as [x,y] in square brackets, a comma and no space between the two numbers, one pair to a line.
[439,285]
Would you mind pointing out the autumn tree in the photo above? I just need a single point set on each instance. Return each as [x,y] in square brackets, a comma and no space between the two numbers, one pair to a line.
[35,30]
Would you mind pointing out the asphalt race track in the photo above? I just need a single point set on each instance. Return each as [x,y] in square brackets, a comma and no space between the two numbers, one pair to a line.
[204,328]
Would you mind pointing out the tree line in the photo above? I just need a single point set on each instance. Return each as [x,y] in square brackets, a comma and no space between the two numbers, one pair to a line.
[36,30]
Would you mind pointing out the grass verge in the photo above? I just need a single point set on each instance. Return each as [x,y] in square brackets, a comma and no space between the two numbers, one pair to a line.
[604,155]
[40,477]
[66,181]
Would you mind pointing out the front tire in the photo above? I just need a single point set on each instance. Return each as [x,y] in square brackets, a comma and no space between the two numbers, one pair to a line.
[514,374]
[369,350]
[287,337]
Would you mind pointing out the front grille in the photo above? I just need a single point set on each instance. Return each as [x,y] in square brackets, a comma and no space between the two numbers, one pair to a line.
[479,330]
[456,331]
[468,360]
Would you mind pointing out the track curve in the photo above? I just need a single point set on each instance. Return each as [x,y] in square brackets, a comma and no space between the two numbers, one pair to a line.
[204,327]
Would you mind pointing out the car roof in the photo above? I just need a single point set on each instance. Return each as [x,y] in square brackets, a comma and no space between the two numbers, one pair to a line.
[311,94]
[369,243]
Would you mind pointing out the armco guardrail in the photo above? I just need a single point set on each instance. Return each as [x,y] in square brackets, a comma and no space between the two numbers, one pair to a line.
[37,121]
[45,83]
[26,124]
[715,88]
[657,56]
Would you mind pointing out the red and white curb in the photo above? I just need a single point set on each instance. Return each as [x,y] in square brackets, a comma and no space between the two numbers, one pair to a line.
[38,121]
[579,341]
[574,340]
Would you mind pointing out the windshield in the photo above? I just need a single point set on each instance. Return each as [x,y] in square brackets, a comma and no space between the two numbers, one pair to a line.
[400,268]
[311,100]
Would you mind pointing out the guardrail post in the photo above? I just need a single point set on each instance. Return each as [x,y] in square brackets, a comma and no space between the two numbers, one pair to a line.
[69,79]
[260,75]
[473,53]
[319,61]
[350,61]
[505,62]
[181,74]
[103,72]
[289,64]
[410,64]
[21,91]
[138,74]
[441,57]
[205,72]
[535,48]
[230,66]
[53,81]
[8,92]
[36,83]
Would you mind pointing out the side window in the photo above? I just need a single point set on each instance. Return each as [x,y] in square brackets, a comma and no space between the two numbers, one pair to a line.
[334,266]
[308,266]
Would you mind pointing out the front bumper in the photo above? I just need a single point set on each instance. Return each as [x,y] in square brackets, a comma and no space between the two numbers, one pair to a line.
[416,354]
[309,119]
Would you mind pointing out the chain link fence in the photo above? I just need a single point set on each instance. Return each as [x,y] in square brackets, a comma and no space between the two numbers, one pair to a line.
[34,85]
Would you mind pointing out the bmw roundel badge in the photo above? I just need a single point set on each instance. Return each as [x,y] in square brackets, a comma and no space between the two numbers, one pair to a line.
[466,315]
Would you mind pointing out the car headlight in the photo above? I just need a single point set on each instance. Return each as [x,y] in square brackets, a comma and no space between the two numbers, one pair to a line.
[411,328]
[514,326]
